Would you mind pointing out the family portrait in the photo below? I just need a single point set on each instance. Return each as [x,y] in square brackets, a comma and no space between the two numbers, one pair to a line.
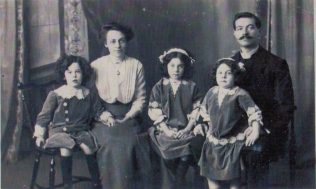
[146,94]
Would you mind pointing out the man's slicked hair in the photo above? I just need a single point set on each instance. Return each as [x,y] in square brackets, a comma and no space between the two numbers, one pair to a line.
[247,15]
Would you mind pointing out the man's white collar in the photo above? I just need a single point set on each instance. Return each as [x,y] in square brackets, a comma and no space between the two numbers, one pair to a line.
[247,55]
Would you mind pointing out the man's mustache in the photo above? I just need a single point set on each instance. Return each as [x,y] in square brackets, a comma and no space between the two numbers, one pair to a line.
[245,36]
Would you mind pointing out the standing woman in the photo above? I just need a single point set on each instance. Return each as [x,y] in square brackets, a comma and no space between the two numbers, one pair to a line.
[123,155]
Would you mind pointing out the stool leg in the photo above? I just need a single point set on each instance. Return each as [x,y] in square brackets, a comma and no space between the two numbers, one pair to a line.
[35,168]
[52,172]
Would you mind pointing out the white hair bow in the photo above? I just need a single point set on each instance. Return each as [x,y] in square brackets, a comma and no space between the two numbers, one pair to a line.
[165,53]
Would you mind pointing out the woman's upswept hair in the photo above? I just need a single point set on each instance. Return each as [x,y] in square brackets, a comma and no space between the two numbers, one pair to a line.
[126,30]
[65,61]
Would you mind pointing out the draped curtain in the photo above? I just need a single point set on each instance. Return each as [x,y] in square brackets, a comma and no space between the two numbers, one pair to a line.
[292,37]
[12,72]
[204,27]
[7,51]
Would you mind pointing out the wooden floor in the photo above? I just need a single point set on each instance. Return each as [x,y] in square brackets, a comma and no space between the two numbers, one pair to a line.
[18,175]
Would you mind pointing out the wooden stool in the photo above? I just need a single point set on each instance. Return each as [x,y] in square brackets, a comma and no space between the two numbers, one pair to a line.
[52,153]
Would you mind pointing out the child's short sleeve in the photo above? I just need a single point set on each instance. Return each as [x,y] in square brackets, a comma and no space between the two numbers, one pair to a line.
[96,105]
[249,106]
[196,100]
[154,108]
[204,106]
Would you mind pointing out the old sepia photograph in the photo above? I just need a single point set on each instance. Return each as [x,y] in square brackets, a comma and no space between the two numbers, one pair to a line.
[157,94]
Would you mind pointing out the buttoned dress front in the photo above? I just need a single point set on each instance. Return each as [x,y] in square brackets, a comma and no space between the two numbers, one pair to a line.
[68,118]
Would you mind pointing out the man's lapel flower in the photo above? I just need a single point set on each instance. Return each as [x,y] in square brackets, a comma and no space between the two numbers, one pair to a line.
[241,66]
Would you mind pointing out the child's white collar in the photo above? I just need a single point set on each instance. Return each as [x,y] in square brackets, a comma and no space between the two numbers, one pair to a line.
[231,91]
[69,92]
[166,81]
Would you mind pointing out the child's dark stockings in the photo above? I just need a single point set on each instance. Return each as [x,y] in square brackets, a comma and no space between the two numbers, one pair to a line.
[66,169]
[182,168]
[94,171]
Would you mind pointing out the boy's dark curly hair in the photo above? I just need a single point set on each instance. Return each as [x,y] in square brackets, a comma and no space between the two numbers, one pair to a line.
[233,64]
[65,61]
[188,68]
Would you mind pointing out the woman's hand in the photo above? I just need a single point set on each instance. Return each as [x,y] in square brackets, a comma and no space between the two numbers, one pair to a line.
[110,122]
[253,134]
[39,141]
[123,120]
[107,119]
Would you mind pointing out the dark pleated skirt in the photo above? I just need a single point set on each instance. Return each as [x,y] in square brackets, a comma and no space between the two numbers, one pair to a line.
[123,154]
[170,148]
[219,162]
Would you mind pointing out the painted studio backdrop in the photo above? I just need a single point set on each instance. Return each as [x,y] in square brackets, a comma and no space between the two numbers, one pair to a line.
[35,33]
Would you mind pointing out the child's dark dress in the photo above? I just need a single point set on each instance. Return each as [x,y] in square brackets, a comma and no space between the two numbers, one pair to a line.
[68,118]
[220,158]
[175,110]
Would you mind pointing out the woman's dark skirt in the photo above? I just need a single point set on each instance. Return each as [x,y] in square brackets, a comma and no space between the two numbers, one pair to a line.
[124,153]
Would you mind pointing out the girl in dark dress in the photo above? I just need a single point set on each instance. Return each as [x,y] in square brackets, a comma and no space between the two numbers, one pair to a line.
[173,107]
[67,114]
[225,109]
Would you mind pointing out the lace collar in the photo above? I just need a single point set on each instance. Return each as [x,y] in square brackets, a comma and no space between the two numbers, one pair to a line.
[68,92]
[225,91]
[166,81]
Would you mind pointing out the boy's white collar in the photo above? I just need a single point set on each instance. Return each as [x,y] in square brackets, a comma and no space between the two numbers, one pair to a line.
[69,92]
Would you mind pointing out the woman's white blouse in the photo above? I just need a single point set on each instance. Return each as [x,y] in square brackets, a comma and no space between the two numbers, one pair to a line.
[123,82]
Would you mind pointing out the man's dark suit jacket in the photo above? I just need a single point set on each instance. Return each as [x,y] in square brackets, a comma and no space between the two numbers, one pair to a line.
[267,79]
